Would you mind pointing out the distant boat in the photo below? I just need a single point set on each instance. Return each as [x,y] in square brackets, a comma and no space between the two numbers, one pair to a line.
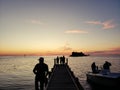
[78,54]
[111,80]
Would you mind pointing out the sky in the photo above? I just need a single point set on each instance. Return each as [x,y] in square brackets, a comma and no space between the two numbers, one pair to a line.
[58,27]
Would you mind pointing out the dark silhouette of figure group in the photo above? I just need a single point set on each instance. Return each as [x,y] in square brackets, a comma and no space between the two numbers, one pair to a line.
[106,68]
[60,60]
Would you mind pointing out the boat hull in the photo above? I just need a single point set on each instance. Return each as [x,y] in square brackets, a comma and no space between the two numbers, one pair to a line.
[109,81]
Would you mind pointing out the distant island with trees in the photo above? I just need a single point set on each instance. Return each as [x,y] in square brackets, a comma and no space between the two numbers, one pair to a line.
[78,54]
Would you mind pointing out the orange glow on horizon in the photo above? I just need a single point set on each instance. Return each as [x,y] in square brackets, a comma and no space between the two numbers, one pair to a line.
[34,53]
[9,52]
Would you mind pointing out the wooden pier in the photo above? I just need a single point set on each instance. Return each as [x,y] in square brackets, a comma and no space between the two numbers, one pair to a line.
[62,78]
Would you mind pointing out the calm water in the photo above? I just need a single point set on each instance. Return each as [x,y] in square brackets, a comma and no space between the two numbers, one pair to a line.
[16,72]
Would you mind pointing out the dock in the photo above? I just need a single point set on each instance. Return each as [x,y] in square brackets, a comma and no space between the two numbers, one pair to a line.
[62,78]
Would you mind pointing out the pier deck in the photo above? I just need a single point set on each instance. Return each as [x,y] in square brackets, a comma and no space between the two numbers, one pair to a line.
[62,78]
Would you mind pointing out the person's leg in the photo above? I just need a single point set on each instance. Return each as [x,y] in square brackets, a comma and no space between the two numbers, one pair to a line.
[46,81]
[36,83]
[41,85]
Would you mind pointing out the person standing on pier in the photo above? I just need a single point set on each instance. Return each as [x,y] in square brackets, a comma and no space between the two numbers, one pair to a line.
[57,60]
[41,71]
[63,59]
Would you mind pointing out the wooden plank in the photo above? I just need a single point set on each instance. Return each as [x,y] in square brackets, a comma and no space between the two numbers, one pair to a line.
[62,79]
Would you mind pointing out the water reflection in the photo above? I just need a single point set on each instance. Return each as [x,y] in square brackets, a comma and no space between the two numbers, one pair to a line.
[17,71]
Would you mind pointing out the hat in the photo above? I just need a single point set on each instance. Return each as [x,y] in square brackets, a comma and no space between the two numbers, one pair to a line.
[41,58]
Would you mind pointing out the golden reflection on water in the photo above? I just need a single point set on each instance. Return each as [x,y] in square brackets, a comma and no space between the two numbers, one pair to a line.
[19,69]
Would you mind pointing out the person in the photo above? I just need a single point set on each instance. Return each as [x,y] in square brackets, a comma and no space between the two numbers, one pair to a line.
[41,71]
[63,59]
[57,60]
[94,68]
[106,67]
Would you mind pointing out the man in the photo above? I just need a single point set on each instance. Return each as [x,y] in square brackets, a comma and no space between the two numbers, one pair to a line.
[106,67]
[94,68]
[41,71]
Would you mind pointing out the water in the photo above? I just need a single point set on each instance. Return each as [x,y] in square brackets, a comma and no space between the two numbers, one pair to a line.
[16,71]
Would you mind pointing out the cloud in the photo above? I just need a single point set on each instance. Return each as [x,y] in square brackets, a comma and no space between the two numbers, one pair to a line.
[34,21]
[105,25]
[94,22]
[75,31]
[65,47]
[113,51]
[108,24]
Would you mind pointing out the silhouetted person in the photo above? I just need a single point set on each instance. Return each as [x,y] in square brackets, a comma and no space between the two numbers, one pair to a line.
[63,59]
[94,68]
[106,67]
[66,60]
[57,60]
[41,71]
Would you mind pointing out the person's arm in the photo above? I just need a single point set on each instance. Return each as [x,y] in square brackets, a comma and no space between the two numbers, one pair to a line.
[47,70]
[110,64]
[34,70]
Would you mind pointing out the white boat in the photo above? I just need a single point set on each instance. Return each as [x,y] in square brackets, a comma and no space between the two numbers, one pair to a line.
[111,80]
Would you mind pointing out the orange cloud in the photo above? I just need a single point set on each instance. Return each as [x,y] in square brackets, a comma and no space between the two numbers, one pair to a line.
[108,24]
[75,31]
[105,25]
[113,51]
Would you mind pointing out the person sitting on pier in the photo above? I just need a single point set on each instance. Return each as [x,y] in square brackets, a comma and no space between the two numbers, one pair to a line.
[106,67]
[94,68]
[41,71]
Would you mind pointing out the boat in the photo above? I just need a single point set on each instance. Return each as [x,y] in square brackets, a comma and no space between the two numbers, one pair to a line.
[111,80]
[78,54]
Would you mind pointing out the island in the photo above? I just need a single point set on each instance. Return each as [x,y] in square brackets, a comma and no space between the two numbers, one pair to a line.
[78,54]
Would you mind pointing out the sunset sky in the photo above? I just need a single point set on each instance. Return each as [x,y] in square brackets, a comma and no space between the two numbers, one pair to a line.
[50,27]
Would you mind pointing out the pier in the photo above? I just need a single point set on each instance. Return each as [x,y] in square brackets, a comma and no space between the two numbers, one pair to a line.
[62,78]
